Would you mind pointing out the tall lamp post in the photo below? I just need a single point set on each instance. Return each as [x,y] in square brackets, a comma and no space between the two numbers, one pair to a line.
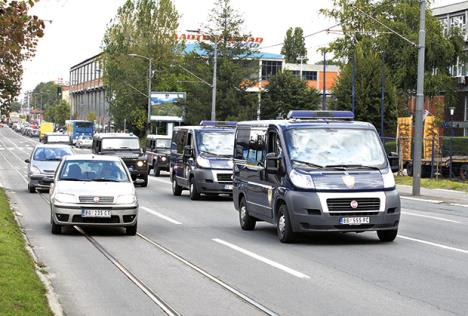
[150,77]
[452,111]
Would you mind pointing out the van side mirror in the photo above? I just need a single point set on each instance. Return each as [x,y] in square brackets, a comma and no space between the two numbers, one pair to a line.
[393,161]
[188,152]
[27,161]
[273,163]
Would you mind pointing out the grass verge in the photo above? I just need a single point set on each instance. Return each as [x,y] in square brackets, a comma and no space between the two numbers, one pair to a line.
[21,291]
[435,184]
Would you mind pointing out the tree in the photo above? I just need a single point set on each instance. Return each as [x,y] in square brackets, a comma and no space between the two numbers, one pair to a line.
[58,113]
[91,116]
[147,28]
[368,84]
[44,94]
[236,64]
[19,33]
[294,45]
[15,106]
[286,92]
[400,56]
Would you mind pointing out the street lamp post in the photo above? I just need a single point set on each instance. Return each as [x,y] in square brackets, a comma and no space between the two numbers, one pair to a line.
[150,77]
[452,111]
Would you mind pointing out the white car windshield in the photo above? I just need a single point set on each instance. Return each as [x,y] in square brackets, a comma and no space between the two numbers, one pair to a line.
[121,143]
[334,147]
[51,153]
[216,143]
[93,170]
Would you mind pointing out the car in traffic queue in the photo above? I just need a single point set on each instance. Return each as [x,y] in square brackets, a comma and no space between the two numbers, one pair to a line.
[201,159]
[93,190]
[158,151]
[43,163]
[127,147]
[56,138]
[84,141]
[316,171]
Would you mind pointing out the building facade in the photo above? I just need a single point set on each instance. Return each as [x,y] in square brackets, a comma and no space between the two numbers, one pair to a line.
[456,16]
[86,92]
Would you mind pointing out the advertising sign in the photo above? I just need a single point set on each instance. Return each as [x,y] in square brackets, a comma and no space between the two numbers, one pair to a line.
[166,104]
[251,42]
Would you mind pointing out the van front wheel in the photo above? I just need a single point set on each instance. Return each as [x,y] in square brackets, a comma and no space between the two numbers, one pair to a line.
[246,221]
[283,225]
[387,235]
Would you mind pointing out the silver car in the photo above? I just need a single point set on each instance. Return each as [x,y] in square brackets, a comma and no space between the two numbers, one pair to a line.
[43,163]
[84,141]
[93,190]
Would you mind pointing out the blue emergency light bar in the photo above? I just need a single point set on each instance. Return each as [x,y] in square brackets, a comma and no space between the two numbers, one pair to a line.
[309,115]
[208,123]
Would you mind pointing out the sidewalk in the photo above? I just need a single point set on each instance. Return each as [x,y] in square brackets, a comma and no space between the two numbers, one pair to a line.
[435,195]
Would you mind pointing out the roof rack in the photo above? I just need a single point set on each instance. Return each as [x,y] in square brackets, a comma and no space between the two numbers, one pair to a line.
[310,115]
[208,123]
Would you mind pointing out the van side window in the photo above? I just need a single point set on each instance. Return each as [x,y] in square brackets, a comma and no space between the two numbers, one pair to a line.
[256,148]
[274,145]
[242,144]
[190,139]
[180,141]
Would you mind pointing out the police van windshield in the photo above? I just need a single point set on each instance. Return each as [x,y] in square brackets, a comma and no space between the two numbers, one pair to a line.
[334,147]
[215,143]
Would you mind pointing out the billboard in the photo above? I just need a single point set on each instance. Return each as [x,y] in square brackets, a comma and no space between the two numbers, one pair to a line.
[167,104]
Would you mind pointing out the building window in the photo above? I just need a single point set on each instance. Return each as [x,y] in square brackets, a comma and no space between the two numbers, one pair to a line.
[306,75]
[270,68]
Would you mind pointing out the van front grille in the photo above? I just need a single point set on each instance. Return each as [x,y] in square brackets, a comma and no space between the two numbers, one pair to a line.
[344,204]
[224,177]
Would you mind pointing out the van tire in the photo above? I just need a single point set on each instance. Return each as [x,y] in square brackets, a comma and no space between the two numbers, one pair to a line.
[176,189]
[156,171]
[31,189]
[56,229]
[194,194]
[387,235]
[145,181]
[283,225]
[246,221]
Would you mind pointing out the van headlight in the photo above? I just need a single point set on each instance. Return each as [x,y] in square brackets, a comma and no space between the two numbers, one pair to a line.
[388,179]
[301,180]
[35,170]
[65,198]
[126,199]
[203,162]
[140,163]
[163,158]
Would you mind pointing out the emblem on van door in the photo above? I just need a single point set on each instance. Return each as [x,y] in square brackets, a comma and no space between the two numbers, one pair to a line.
[349,181]
[354,204]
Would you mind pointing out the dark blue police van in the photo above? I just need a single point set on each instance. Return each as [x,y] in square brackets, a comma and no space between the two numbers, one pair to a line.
[316,171]
[201,159]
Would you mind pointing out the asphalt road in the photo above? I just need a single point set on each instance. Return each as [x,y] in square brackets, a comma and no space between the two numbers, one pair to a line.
[192,258]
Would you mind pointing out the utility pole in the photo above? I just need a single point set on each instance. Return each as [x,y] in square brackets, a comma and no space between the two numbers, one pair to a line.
[353,79]
[418,127]
[302,60]
[324,93]
[213,91]
[382,98]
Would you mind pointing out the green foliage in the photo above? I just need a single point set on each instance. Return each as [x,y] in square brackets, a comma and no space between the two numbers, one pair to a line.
[91,116]
[19,33]
[286,92]
[235,68]
[58,112]
[368,90]
[147,28]
[294,45]
[44,95]
[15,106]
[400,56]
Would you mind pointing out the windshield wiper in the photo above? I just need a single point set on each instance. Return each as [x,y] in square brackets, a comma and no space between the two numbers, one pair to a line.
[357,166]
[310,164]
[53,159]
[209,153]
[71,179]
[104,180]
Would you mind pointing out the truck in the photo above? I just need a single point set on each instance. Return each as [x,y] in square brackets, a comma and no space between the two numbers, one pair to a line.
[45,128]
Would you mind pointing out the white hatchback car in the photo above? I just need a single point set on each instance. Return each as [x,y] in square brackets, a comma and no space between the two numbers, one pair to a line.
[93,190]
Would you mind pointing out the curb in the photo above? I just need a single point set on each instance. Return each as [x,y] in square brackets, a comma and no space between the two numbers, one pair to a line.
[52,297]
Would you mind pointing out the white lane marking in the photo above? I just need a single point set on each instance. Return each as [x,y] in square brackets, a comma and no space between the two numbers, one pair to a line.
[167,218]
[262,259]
[447,190]
[13,167]
[431,217]
[456,204]
[435,244]
[421,200]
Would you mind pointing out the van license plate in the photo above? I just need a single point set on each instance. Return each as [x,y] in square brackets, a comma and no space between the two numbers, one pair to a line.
[354,220]
[228,187]
[95,213]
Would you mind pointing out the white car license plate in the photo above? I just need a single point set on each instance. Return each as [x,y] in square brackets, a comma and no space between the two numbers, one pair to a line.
[96,213]
[354,220]
[228,187]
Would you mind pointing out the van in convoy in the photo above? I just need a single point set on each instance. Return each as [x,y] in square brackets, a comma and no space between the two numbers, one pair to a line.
[201,159]
[315,171]
[158,151]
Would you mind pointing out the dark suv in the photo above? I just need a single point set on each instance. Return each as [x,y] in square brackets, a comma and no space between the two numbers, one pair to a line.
[158,151]
[127,147]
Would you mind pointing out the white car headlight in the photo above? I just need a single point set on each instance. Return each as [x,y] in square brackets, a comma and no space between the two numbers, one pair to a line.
[35,170]
[65,198]
[388,179]
[203,162]
[125,199]
[301,180]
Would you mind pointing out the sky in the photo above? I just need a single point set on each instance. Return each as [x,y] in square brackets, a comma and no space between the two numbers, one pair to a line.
[75,28]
